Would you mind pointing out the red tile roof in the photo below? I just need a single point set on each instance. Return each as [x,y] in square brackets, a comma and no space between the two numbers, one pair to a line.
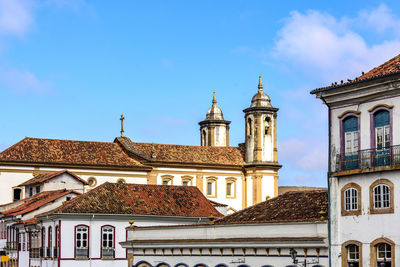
[293,206]
[37,150]
[138,199]
[36,201]
[49,175]
[31,221]
[390,67]
[166,153]
[217,204]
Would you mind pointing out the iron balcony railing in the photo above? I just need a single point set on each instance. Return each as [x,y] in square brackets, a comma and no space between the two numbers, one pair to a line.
[81,253]
[11,246]
[368,158]
[108,253]
[34,253]
[55,252]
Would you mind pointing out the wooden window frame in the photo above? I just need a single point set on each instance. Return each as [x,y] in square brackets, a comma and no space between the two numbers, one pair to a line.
[372,209]
[187,178]
[351,212]
[231,180]
[214,181]
[345,252]
[373,256]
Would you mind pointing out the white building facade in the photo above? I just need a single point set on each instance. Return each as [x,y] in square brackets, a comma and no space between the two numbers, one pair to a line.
[263,235]
[364,176]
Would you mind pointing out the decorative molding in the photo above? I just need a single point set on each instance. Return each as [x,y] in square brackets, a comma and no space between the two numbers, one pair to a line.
[373,258]
[345,252]
[355,112]
[380,106]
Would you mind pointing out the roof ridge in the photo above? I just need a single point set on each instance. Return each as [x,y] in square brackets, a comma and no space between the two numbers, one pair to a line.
[206,147]
[71,140]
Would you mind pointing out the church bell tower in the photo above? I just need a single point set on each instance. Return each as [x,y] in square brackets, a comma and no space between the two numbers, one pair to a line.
[214,130]
[260,120]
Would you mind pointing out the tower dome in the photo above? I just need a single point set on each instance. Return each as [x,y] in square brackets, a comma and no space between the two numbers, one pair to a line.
[260,99]
[214,130]
[214,113]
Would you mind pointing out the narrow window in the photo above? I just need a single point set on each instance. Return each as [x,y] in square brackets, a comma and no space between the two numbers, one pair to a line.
[353,255]
[82,241]
[351,199]
[43,241]
[49,244]
[38,189]
[203,138]
[381,196]
[17,192]
[57,233]
[350,136]
[382,137]
[267,126]
[249,132]
[107,251]
[384,255]
[210,188]
[31,191]
[229,189]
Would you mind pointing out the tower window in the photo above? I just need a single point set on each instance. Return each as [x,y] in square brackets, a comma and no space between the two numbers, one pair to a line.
[267,125]
[203,138]
[249,123]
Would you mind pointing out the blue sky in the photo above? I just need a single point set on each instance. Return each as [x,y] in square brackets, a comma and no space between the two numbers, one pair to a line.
[69,68]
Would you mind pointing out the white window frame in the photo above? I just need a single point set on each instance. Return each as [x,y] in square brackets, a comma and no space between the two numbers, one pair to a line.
[351,199]
[381,199]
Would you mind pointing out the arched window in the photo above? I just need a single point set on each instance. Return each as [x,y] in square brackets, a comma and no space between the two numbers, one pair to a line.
[56,241]
[107,242]
[163,265]
[381,196]
[203,137]
[230,187]
[81,242]
[249,127]
[211,187]
[187,180]
[181,265]
[350,199]
[350,142]
[381,134]
[351,254]
[267,126]
[167,179]
[49,243]
[384,255]
[143,264]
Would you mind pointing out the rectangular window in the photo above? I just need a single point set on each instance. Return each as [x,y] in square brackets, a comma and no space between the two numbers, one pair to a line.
[209,188]
[229,189]
[107,242]
[37,189]
[82,241]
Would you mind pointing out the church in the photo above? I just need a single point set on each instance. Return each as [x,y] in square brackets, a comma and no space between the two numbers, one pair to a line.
[236,176]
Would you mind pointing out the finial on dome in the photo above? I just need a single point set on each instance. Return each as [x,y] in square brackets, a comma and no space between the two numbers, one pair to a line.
[260,86]
[214,101]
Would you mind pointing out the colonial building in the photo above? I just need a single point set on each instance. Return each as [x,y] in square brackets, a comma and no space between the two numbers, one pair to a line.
[64,228]
[364,161]
[238,176]
[287,230]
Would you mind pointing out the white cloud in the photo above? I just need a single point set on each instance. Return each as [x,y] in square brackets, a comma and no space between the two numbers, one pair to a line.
[23,82]
[304,154]
[380,19]
[15,16]
[330,48]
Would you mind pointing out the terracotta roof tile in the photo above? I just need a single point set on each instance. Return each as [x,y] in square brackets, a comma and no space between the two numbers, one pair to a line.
[67,152]
[49,175]
[36,201]
[217,204]
[294,206]
[162,200]
[390,67]
[31,221]
[184,153]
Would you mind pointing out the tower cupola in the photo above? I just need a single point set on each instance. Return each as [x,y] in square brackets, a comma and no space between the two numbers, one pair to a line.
[214,130]
[260,117]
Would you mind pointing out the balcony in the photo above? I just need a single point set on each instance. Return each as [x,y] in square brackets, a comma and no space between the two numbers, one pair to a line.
[81,253]
[11,246]
[367,159]
[107,253]
[34,253]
